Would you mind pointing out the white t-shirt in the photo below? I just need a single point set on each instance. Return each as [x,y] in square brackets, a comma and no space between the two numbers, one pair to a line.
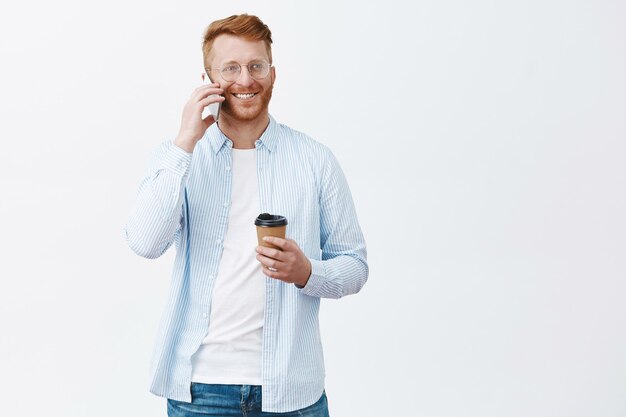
[231,351]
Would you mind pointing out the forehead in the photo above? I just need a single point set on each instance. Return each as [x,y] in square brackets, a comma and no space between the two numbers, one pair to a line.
[228,48]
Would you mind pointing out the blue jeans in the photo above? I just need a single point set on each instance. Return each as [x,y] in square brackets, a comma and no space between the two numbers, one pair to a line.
[234,400]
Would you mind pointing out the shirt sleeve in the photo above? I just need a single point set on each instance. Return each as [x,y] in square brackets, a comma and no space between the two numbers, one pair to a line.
[158,212]
[343,269]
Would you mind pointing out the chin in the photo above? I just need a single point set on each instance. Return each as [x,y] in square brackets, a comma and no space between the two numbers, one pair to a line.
[245,115]
[248,115]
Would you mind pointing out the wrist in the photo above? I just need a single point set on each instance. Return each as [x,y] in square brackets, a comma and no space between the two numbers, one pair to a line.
[185,144]
[303,284]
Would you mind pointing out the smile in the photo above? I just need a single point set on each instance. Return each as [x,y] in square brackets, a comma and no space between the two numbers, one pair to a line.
[245,96]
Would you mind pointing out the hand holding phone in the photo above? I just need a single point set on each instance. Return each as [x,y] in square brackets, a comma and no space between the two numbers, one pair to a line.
[193,123]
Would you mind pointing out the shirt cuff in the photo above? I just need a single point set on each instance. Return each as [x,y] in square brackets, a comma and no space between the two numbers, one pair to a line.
[317,278]
[177,160]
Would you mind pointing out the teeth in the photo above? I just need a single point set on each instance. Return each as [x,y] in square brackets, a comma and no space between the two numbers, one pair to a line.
[244,96]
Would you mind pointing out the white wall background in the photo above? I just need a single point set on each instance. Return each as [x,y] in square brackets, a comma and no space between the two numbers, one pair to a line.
[485,145]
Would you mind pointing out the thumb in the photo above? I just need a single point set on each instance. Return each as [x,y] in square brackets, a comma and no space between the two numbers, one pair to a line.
[208,121]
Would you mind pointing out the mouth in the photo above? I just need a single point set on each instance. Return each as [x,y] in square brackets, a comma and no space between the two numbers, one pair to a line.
[245,96]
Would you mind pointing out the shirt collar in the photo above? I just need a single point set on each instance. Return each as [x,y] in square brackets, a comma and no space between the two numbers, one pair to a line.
[217,140]
[270,136]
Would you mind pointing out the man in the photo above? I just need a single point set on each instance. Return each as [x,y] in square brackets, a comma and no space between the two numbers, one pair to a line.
[240,333]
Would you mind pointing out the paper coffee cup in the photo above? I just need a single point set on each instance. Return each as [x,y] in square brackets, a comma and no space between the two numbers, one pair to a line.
[270,225]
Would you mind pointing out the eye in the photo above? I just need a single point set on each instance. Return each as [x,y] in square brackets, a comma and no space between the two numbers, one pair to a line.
[230,68]
[257,66]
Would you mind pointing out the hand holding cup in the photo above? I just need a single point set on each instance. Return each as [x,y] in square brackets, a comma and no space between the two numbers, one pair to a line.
[281,258]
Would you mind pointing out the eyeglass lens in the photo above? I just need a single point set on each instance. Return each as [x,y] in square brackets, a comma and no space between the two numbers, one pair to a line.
[258,70]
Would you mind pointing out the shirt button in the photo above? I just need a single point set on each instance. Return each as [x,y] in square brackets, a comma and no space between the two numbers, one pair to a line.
[205,315]
[218,241]
[184,164]
[225,203]
[227,168]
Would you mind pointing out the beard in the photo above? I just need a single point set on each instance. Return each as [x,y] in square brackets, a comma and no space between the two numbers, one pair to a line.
[245,112]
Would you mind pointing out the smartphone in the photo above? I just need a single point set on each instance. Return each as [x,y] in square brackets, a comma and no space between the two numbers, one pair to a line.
[213,108]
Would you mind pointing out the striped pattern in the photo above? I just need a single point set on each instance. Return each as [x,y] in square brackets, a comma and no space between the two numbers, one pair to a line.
[184,200]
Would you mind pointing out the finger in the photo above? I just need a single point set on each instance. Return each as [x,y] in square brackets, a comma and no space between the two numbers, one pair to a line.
[265,261]
[273,274]
[205,91]
[207,82]
[204,87]
[271,253]
[213,98]
[280,242]
[209,120]
[208,93]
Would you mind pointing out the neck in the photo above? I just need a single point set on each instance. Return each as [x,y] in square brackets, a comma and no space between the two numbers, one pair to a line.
[243,133]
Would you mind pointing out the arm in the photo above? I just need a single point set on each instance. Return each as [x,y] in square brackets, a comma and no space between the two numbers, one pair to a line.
[343,269]
[157,215]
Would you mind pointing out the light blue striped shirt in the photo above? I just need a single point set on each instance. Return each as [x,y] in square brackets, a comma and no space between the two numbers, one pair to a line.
[185,198]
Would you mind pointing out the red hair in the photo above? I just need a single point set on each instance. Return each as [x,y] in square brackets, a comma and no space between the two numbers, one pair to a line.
[243,25]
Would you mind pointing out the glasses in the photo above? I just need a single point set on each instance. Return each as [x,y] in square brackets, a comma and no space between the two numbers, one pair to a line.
[231,71]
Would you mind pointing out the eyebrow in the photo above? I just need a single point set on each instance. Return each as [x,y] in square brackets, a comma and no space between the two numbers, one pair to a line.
[232,61]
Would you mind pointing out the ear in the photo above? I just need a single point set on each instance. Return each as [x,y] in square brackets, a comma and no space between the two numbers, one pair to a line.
[273,72]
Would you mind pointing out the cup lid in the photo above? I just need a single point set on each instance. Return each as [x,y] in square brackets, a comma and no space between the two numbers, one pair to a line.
[270,220]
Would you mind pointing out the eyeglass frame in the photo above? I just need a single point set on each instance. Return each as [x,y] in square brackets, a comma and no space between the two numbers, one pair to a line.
[270,66]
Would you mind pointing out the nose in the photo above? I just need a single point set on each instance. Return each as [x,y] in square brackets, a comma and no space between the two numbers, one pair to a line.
[244,77]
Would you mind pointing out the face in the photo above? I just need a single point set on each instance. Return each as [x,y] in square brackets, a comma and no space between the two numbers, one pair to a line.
[247,99]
